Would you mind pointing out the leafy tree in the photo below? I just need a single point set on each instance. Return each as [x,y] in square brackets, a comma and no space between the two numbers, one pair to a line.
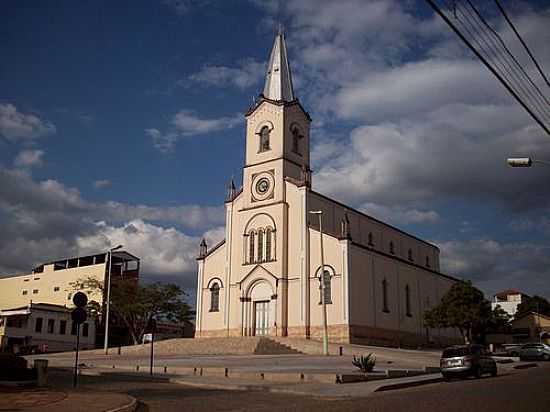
[463,307]
[533,304]
[136,304]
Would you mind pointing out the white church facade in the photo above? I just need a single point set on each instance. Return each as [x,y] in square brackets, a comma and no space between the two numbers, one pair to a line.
[264,277]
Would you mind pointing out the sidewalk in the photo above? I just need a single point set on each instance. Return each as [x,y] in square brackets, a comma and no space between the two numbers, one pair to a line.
[50,400]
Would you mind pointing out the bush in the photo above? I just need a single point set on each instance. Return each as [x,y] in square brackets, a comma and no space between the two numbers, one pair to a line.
[365,363]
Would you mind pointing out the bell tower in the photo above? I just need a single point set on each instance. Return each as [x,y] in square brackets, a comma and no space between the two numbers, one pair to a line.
[277,132]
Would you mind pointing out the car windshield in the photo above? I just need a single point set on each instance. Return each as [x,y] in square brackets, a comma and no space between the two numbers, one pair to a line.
[456,352]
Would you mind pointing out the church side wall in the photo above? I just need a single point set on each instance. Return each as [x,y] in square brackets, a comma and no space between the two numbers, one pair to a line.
[212,323]
[392,323]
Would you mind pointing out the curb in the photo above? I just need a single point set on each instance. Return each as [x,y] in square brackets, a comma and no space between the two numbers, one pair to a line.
[526,366]
[129,407]
[411,384]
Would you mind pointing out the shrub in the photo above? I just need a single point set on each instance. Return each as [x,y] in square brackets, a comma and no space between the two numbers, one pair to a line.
[365,363]
[13,367]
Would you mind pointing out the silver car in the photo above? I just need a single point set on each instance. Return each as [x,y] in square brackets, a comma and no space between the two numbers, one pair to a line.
[535,351]
[466,360]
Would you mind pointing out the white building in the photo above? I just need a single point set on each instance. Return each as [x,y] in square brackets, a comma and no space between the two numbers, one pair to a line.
[508,300]
[263,279]
[45,327]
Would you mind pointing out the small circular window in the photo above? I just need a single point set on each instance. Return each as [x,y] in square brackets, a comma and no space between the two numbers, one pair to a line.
[262,186]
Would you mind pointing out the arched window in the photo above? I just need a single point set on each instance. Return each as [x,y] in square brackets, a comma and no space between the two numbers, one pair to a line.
[328,289]
[408,300]
[427,261]
[251,247]
[411,255]
[264,139]
[260,245]
[371,242]
[385,296]
[296,140]
[268,233]
[215,298]
[392,248]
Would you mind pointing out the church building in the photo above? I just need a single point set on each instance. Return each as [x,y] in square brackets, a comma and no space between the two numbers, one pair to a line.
[264,278]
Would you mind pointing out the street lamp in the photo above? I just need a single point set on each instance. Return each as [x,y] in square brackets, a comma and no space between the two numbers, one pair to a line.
[106,339]
[322,280]
[524,161]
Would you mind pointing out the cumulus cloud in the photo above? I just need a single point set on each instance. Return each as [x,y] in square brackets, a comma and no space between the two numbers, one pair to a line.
[247,73]
[45,220]
[15,125]
[495,265]
[28,158]
[186,123]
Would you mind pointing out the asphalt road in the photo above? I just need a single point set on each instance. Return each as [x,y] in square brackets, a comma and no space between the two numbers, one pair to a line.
[526,390]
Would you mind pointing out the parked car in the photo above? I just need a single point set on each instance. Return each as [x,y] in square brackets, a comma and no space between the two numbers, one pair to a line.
[535,351]
[512,349]
[466,360]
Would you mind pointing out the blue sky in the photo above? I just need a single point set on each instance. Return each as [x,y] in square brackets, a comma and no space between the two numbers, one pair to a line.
[122,123]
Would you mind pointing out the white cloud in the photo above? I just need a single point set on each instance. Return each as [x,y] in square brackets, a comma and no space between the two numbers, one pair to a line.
[28,158]
[248,73]
[186,123]
[100,184]
[15,125]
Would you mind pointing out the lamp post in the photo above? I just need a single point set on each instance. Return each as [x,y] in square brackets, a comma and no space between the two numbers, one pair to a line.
[524,161]
[106,339]
[322,280]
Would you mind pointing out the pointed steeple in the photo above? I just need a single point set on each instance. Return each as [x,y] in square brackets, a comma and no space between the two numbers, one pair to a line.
[278,80]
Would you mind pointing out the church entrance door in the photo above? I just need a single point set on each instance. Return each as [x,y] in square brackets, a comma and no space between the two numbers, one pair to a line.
[261,318]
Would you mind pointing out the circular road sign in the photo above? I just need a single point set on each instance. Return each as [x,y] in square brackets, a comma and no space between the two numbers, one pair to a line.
[79,315]
[80,299]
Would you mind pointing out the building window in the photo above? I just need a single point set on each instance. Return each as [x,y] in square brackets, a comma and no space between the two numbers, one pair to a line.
[36,279]
[427,261]
[371,242]
[251,245]
[24,292]
[215,298]
[327,284]
[74,327]
[85,329]
[410,255]
[56,289]
[264,139]
[296,140]
[260,245]
[62,327]
[268,244]
[385,296]
[35,291]
[392,248]
[69,296]
[38,325]
[408,301]
[51,325]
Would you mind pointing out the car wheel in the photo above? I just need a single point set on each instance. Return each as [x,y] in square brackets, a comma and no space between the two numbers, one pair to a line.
[446,377]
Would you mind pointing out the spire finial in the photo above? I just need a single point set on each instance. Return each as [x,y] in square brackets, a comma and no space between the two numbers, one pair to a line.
[203,248]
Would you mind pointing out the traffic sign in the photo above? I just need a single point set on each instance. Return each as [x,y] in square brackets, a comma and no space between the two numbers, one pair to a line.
[79,315]
[80,299]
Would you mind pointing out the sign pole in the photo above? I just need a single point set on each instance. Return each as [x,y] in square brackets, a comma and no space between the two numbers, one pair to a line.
[152,344]
[76,357]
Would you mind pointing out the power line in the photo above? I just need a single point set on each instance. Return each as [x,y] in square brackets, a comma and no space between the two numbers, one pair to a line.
[522,42]
[536,98]
[488,65]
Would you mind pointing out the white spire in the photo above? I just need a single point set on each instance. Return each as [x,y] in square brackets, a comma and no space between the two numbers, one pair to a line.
[278,80]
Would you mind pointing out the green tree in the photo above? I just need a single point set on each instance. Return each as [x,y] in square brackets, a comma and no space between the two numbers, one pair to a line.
[136,304]
[463,307]
[533,304]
